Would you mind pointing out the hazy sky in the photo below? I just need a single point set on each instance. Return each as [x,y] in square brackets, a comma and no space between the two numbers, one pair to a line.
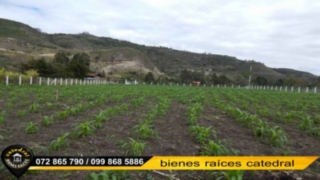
[279,33]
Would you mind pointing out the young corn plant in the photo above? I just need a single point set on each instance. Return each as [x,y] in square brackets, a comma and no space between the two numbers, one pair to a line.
[47,120]
[133,147]
[144,130]
[111,111]
[32,128]
[84,129]
[316,120]
[10,105]
[277,136]
[62,115]
[193,113]
[288,117]
[72,111]
[123,108]
[261,129]
[117,98]
[306,123]
[34,107]
[233,175]
[59,142]
[214,149]
[315,131]
[201,134]
[102,116]
[21,113]
[40,100]
[108,175]
[2,117]
[137,102]
[151,116]
[50,105]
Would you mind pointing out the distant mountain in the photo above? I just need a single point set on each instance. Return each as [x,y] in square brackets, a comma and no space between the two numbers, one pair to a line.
[20,42]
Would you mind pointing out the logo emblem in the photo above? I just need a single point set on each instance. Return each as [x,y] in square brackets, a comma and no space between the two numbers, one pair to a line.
[17,159]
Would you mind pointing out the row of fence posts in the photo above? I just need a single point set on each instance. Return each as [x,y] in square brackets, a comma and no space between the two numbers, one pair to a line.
[276,88]
[62,81]
[98,82]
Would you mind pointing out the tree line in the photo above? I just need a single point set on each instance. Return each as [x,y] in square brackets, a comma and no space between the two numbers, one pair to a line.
[62,66]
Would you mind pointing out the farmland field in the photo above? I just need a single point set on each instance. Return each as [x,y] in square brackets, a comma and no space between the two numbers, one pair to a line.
[120,120]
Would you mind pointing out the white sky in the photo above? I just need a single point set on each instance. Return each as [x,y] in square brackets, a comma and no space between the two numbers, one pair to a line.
[278,33]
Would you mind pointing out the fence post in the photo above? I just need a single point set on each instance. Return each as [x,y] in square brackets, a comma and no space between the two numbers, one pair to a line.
[299,89]
[315,89]
[66,81]
[48,79]
[286,88]
[280,88]
[19,80]
[30,80]
[7,80]
[151,83]
[190,85]
[291,88]
[71,82]
[40,79]
[307,90]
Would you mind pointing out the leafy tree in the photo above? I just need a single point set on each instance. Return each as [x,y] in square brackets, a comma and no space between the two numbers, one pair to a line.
[214,78]
[185,76]
[149,77]
[279,82]
[30,64]
[61,57]
[44,68]
[79,65]
[261,80]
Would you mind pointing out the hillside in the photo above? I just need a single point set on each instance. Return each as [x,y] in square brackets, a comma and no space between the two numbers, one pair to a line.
[20,42]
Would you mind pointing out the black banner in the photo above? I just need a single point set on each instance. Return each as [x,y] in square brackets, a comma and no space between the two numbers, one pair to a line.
[89,161]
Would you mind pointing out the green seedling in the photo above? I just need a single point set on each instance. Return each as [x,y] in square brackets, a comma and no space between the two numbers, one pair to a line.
[133,147]
[47,120]
[59,142]
[31,128]
[144,130]
[34,108]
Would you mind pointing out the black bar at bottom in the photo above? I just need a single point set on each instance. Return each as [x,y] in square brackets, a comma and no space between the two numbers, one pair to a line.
[89,161]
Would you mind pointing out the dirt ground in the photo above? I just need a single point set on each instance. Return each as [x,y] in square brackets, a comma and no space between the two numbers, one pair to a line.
[173,138]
